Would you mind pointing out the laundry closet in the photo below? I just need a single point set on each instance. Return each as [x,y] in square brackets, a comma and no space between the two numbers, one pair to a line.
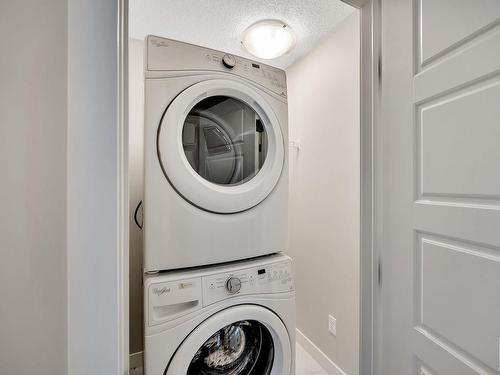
[244,185]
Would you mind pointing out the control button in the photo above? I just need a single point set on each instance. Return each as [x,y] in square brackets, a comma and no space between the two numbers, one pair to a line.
[229,61]
[233,285]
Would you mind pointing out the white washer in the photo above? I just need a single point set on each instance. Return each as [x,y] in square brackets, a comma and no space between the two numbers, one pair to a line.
[230,319]
[215,160]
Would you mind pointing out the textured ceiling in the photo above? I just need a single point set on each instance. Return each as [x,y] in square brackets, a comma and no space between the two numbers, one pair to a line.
[218,24]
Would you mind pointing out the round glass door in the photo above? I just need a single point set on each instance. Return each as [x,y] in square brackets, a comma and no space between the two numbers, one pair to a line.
[240,340]
[241,348]
[224,140]
[220,146]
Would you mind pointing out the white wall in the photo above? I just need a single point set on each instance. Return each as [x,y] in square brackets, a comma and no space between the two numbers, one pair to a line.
[324,113]
[136,139]
[33,187]
[94,258]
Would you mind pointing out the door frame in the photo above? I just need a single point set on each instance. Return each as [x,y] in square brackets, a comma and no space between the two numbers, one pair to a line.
[370,233]
[123,296]
[370,348]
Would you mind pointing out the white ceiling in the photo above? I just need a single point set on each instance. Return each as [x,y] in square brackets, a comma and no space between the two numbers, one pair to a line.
[218,24]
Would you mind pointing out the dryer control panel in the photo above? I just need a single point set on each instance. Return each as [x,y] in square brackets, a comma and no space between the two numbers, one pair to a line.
[170,55]
[266,279]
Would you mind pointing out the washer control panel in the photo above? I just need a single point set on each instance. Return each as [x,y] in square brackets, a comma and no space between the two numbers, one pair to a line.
[170,55]
[268,279]
[174,294]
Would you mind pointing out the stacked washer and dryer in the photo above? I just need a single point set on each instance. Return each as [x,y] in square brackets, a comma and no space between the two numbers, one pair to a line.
[218,293]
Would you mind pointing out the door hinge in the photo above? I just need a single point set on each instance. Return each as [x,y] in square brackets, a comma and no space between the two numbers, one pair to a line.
[379,272]
[379,68]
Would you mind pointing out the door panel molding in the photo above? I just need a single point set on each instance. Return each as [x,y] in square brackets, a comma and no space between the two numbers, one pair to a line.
[454,73]
[456,221]
[447,358]
[422,369]
[458,270]
[478,24]
[446,138]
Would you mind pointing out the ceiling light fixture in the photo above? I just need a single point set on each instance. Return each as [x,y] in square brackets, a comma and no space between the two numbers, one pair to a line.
[268,39]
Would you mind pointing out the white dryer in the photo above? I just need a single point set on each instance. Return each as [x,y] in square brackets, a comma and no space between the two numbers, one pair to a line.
[232,319]
[216,168]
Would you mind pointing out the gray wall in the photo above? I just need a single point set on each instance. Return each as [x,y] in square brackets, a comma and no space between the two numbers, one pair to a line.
[94,259]
[59,138]
[324,113]
[33,187]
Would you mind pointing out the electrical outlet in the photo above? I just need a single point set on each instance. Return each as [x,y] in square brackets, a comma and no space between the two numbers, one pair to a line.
[332,325]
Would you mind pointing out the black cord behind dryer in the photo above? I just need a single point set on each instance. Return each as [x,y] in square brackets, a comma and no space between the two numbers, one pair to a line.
[135,215]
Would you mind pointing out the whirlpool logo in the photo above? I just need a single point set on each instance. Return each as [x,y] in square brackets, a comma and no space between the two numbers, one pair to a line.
[161,291]
[159,42]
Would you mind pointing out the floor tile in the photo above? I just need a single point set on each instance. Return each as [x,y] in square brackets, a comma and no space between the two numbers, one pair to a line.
[306,365]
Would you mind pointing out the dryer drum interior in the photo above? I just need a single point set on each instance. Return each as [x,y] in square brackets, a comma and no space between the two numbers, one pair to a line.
[224,140]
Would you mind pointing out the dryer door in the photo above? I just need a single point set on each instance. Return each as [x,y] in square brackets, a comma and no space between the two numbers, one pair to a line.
[220,146]
[241,340]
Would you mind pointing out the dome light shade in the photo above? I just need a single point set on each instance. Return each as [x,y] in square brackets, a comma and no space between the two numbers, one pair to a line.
[268,39]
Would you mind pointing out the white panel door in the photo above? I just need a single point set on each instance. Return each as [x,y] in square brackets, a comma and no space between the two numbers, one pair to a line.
[440,177]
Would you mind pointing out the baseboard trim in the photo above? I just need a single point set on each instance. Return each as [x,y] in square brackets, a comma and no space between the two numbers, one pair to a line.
[318,355]
[135,360]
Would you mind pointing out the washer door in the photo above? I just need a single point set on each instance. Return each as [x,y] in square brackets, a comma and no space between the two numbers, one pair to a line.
[241,340]
[220,146]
